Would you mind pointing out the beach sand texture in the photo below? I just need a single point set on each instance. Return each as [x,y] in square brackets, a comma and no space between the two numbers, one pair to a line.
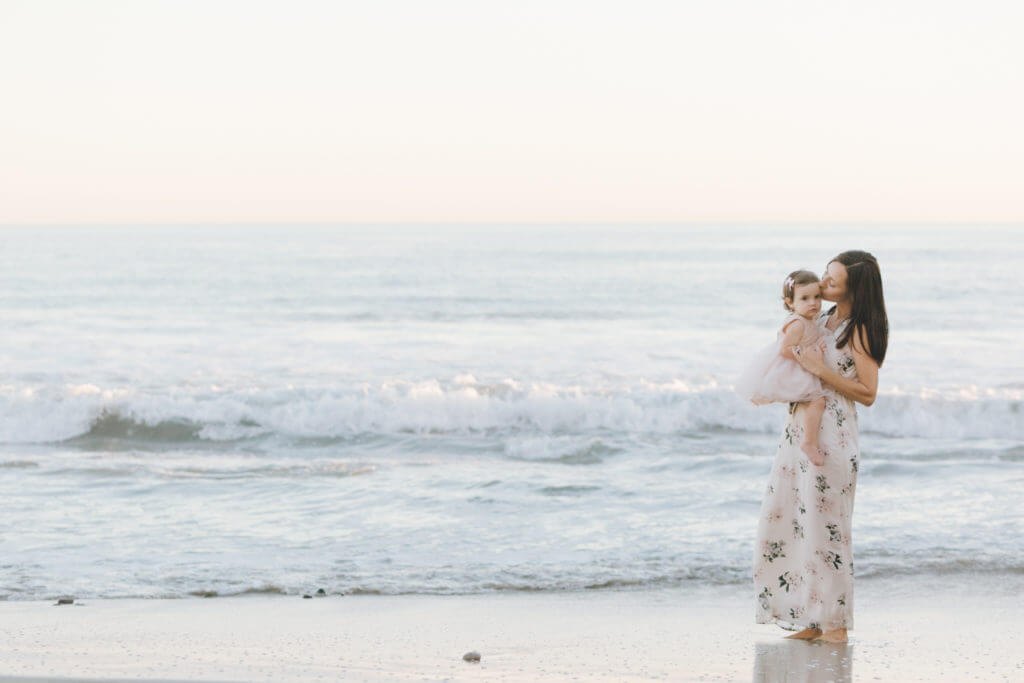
[672,635]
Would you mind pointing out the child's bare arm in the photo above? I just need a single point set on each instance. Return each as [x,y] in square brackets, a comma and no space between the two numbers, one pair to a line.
[792,333]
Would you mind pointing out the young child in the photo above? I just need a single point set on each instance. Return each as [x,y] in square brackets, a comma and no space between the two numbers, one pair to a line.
[775,376]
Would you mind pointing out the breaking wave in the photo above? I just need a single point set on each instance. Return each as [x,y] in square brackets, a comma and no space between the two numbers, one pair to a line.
[465,406]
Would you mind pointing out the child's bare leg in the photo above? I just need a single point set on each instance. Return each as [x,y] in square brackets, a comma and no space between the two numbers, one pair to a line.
[813,410]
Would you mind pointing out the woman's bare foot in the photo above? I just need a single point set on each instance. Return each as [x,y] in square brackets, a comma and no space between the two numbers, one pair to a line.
[837,636]
[813,454]
[806,634]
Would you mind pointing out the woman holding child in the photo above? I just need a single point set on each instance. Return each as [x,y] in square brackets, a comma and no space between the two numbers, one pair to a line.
[803,561]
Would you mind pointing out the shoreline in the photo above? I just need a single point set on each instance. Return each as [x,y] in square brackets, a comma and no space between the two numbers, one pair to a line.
[907,629]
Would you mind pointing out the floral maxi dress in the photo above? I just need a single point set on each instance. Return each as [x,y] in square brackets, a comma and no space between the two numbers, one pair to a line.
[803,559]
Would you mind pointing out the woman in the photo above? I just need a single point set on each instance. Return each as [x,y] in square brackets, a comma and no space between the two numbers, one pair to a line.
[803,563]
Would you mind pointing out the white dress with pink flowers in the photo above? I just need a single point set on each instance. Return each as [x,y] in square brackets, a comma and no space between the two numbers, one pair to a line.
[803,557]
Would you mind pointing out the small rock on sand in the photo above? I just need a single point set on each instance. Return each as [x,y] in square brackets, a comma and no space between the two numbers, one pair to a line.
[473,656]
[65,601]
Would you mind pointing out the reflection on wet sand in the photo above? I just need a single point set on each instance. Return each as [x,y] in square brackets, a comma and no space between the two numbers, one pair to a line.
[797,660]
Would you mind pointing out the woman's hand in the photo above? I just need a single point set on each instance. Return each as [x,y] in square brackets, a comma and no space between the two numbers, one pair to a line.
[811,358]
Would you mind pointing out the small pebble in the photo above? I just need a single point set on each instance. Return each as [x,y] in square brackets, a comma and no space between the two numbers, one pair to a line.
[473,656]
[65,601]
[307,597]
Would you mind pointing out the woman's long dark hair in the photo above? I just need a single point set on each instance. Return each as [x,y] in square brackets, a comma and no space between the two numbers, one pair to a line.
[864,281]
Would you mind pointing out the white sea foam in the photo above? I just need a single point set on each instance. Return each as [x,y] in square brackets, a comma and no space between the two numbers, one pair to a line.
[463,406]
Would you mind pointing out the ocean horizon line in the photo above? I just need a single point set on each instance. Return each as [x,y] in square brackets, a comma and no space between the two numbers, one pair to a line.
[532,223]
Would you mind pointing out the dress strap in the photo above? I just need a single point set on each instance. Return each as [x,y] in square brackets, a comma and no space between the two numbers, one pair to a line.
[789,318]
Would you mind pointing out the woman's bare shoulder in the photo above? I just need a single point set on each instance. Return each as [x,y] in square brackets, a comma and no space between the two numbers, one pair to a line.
[859,343]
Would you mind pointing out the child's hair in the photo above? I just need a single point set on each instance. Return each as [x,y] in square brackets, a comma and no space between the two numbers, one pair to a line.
[797,277]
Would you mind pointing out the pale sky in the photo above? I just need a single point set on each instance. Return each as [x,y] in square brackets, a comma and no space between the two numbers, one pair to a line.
[517,111]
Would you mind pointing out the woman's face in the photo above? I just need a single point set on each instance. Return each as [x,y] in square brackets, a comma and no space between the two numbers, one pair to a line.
[833,282]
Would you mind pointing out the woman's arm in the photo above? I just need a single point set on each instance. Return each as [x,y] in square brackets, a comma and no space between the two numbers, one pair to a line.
[863,389]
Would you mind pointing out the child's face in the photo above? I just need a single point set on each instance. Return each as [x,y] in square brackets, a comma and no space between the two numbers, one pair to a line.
[807,300]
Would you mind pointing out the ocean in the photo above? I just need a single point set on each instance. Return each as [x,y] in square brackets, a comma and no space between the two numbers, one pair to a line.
[207,410]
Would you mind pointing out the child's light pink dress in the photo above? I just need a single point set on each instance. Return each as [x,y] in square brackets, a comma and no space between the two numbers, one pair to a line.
[772,378]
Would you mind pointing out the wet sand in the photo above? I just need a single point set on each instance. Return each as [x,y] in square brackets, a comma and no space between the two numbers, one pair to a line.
[701,634]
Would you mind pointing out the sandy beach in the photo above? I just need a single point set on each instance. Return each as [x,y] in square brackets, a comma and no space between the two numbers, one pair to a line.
[703,634]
